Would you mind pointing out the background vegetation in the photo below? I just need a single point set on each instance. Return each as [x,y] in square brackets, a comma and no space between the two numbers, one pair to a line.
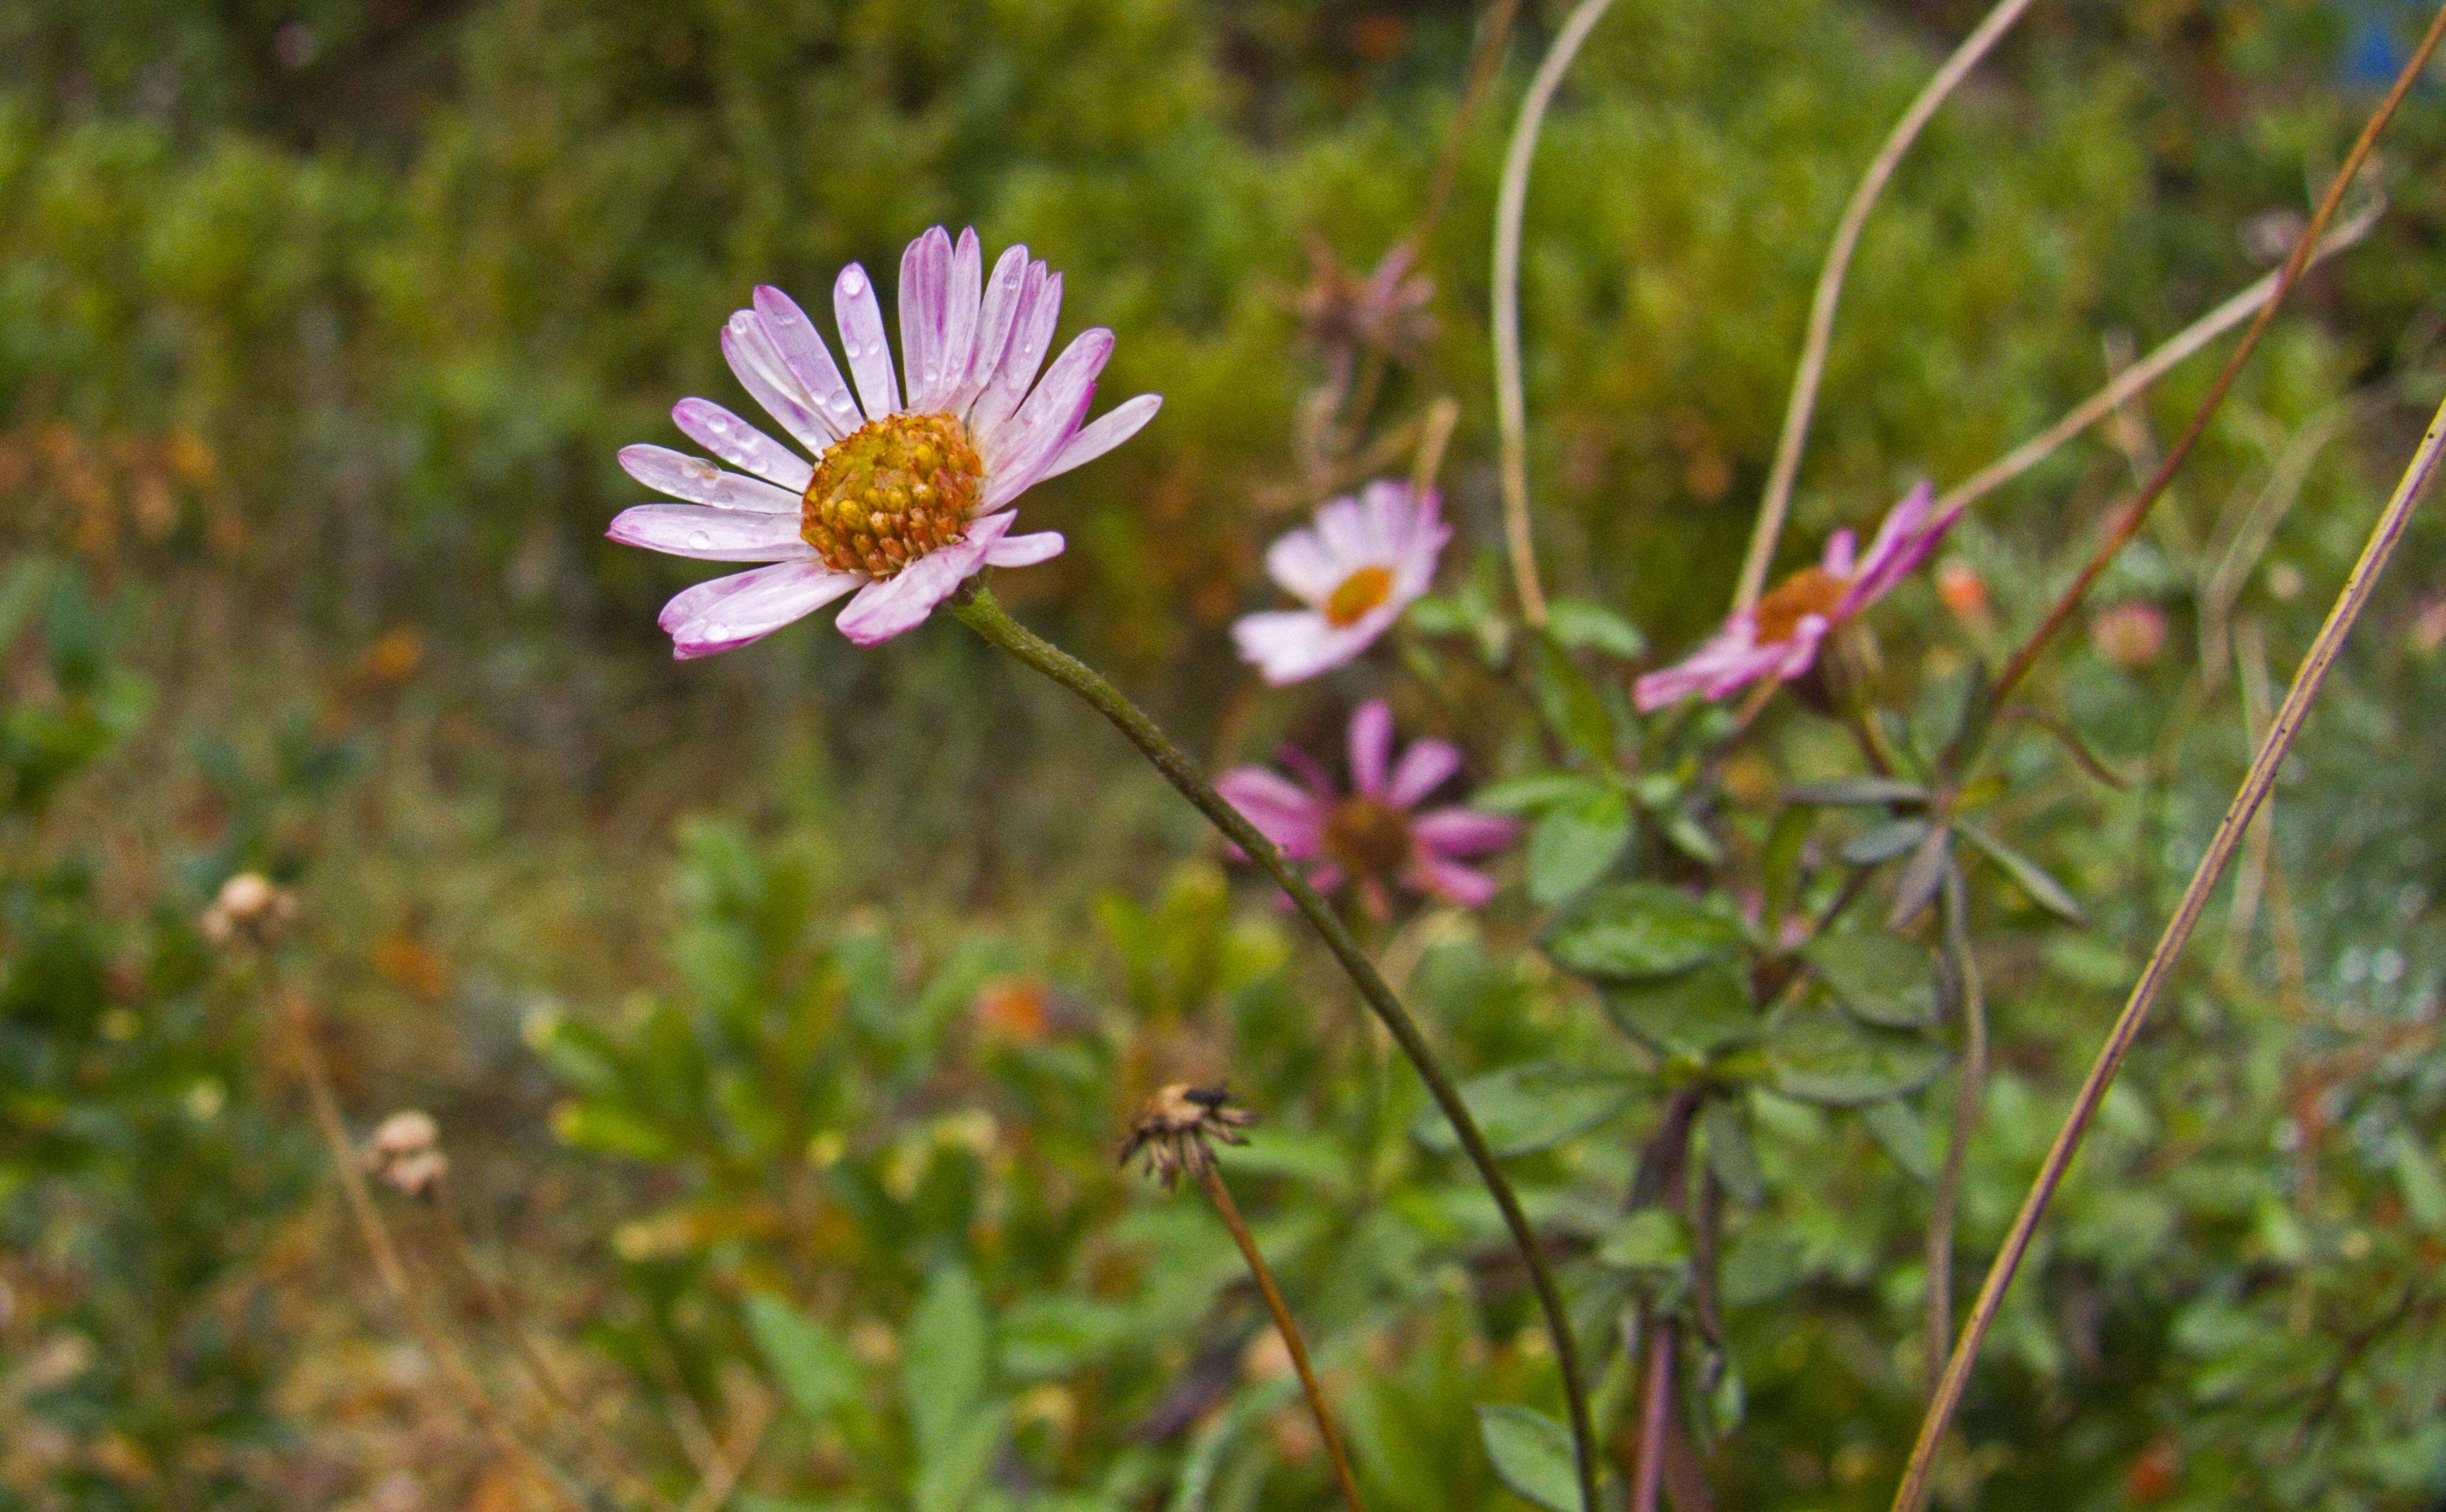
[782,1014]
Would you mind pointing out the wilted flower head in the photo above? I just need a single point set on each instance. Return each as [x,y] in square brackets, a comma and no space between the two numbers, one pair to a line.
[910,490]
[1173,1128]
[1779,639]
[1373,837]
[406,1153]
[250,907]
[1385,308]
[1364,561]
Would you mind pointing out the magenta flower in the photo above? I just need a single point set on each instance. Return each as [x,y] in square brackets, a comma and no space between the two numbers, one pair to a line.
[1779,639]
[1373,837]
[1357,568]
[908,497]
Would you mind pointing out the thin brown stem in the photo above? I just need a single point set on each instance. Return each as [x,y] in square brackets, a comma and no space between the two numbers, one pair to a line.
[1511,209]
[389,1264]
[1211,1179]
[1485,58]
[2384,537]
[2140,375]
[2128,523]
[1655,1411]
[731,1463]
[1776,501]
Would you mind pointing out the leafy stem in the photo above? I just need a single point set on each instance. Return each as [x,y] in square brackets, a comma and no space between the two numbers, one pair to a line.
[978,609]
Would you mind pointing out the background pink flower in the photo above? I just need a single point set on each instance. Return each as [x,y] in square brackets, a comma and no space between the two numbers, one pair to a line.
[1779,639]
[1362,561]
[1373,837]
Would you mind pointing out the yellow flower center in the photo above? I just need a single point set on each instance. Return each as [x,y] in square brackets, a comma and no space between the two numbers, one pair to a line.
[1357,593]
[1367,836]
[1810,591]
[889,492]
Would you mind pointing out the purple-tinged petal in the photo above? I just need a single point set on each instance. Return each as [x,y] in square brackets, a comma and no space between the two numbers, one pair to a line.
[1842,554]
[1425,767]
[1310,771]
[748,346]
[1299,563]
[883,609]
[710,535]
[960,313]
[1017,452]
[699,481]
[1371,742]
[1025,551]
[1731,652]
[1328,879]
[1292,645]
[863,343]
[1003,304]
[740,444]
[1291,818]
[1109,431]
[731,611]
[924,290]
[803,355]
[1343,526]
[1463,831]
[1453,883]
[1902,541]
[1031,337]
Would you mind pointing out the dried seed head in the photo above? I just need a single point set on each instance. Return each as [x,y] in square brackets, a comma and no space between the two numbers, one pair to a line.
[251,908]
[406,1153]
[1173,1128]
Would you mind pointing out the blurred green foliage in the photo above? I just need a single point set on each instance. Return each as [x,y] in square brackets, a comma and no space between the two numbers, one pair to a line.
[320,325]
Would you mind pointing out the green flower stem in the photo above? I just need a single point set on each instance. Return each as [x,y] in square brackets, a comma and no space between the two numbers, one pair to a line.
[979,611]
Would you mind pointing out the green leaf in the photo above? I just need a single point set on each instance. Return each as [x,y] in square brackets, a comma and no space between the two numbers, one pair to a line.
[1873,847]
[1532,791]
[1820,1056]
[1582,625]
[1730,1155]
[1533,1455]
[816,1369]
[1530,1106]
[1692,1015]
[1922,875]
[1884,979]
[951,1470]
[944,1364]
[1635,930]
[1759,1267]
[2029,876]
[1651,1239]
[1575,842]
[1570,707]
[1902,1134]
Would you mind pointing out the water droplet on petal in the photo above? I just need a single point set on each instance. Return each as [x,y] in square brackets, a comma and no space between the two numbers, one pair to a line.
[699,540]
[852,282]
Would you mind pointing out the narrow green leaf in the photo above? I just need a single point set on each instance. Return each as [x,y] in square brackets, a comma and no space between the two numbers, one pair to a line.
[1902,1134]
[1873,847]
[1819,1056]
[1884,979]
[944,1365]
[1854,791]
[1730,1155]
[2029,876]
[816,1369]
[1693,1015]
[1650,1239]
[1531,1453]
[1580,624]
[1633,930]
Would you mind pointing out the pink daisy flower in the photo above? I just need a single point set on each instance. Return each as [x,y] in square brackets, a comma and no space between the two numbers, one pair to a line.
[1373,837]
[1357,568]
[1779,639]
[910,490]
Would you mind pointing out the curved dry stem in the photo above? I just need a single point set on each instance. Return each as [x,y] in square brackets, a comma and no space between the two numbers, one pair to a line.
[1913,1493]
[978,609]
[2135,514]
[1776,499]
[393,1269]
[1511,207]
[1211,1181]
[2132,380]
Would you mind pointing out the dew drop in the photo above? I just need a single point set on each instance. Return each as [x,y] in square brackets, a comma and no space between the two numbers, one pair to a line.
[852,282]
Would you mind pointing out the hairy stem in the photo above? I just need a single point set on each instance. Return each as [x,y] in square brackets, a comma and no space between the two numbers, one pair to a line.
[1511,208]
[1211,1179]
[979,609]
[1776,501]
[2127,524]
[1913,1493]
[1966,1099]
